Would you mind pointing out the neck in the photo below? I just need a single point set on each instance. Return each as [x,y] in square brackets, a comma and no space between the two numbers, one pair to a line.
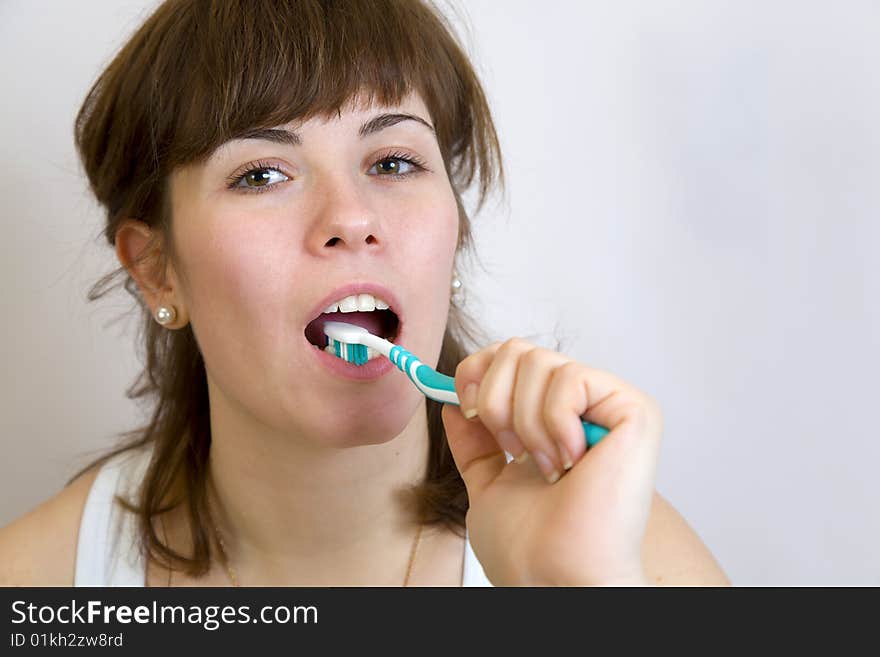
[293,511]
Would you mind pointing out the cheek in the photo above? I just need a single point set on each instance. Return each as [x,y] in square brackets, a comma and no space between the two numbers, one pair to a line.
[426,263]
[235,297]
[434,236]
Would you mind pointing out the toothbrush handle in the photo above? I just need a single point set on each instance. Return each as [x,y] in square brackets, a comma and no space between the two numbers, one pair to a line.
[441,387]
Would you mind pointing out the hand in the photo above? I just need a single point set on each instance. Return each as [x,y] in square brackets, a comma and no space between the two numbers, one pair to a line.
[528,527]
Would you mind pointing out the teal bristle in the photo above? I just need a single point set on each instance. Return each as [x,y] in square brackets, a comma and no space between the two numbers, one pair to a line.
[353,353]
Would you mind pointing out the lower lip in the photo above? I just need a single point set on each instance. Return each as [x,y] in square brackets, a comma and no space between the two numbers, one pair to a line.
[371,370]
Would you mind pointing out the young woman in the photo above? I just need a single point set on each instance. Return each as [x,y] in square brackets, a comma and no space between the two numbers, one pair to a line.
[260,164]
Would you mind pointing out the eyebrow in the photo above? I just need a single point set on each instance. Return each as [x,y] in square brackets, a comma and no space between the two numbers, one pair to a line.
[374,125]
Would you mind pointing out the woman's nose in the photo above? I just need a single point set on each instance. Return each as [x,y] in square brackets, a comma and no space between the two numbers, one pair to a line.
[346,220]
[352,234]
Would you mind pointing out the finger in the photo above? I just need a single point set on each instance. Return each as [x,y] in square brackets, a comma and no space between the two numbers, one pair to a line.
[468,375]
[578,391]
[530,390]
[495,395]
[564,404]
[475,451]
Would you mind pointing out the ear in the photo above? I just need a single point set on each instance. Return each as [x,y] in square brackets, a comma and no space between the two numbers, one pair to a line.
[138,249]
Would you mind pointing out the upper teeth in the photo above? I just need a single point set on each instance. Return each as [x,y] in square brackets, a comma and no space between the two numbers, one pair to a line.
[357,303]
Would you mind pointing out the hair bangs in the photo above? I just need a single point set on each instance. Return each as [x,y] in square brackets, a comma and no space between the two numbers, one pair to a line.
[289,62]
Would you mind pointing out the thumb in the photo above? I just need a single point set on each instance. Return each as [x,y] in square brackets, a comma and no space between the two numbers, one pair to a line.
[477,455]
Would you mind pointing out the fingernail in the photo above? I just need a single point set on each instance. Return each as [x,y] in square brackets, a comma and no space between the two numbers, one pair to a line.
[564,457]
[468,401]
[511,444]
[551,474]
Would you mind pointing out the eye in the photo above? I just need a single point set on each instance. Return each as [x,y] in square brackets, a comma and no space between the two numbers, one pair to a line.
[261,177]
[258,177]
[415,165]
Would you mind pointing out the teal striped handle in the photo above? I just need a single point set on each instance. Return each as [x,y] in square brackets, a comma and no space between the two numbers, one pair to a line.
[441,387]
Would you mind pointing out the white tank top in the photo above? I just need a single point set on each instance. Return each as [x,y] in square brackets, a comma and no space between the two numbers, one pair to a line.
[108,551]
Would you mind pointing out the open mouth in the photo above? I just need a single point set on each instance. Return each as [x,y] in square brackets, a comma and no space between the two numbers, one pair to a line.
[383,323]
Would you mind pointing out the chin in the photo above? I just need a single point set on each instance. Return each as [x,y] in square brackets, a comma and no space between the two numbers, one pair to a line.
[380,426]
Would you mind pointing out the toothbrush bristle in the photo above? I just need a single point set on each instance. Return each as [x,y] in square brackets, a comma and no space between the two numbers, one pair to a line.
[353,353]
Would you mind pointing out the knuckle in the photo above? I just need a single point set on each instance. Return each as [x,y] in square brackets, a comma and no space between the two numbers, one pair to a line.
[512,345]
[568,374]
[645,401]
[555,423]
[533,356]
[467,367]
[651,403]
[526,428]
[642,411]
[472,362]
[655,410]
[570,369]
[494,413]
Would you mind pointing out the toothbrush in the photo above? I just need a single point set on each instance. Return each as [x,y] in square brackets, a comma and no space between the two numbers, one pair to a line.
[350,343]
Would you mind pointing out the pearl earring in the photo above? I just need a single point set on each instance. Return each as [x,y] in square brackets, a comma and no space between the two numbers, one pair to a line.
[165,315]
[457,286]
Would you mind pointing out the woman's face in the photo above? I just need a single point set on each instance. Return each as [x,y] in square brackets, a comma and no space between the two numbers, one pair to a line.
[258,252]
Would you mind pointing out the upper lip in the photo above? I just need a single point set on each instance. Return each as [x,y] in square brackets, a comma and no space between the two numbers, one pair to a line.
[365,287]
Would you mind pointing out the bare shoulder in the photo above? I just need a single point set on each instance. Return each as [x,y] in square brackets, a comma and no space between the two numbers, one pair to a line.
[674,554]
[39,548]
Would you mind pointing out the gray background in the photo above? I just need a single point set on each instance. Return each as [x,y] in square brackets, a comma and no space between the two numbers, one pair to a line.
[693,204]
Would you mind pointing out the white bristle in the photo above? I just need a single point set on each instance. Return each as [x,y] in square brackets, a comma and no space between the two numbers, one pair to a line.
[330,349]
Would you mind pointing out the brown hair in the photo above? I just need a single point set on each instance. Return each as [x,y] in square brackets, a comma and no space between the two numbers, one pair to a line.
[195,75]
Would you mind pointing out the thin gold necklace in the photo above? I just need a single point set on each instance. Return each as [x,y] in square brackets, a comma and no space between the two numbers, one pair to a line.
[234,579]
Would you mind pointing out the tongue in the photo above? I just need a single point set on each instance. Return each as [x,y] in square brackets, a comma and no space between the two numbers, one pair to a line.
[369,320]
